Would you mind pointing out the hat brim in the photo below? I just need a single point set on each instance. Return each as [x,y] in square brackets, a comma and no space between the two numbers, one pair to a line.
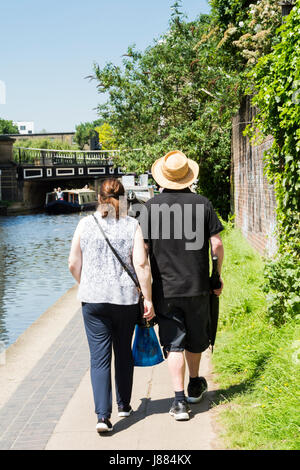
[182,183]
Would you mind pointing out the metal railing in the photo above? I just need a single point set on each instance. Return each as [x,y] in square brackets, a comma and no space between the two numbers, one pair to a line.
[51,157]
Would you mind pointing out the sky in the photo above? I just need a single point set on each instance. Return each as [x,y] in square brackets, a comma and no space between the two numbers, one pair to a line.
[47,48]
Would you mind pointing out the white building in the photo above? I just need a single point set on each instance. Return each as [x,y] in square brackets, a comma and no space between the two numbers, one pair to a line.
[25,127]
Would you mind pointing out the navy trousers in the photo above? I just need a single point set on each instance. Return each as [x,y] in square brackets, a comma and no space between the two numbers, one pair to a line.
[107,326]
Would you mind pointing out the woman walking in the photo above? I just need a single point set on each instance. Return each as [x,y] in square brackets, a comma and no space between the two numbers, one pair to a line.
[109,296]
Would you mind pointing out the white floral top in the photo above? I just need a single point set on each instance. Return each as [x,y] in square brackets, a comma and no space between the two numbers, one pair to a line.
[103,279]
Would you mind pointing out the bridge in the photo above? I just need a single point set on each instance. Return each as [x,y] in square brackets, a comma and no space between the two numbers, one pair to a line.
[47,164]
[27,174]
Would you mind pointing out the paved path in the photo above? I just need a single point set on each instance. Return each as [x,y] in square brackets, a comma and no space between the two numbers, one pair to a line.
[30,415]
[52,406]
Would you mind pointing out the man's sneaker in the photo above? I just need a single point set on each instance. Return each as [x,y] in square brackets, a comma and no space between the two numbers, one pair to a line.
[104,425]
[180,411]
[124,411]
[197,390]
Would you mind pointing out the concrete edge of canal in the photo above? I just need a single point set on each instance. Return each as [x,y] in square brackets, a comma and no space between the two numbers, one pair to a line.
[20,357]
[18,208]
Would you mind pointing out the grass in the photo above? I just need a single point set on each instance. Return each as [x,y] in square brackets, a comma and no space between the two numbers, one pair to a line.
[256,363]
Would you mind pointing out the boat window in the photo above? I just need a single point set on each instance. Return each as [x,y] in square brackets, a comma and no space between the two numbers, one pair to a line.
[76,198]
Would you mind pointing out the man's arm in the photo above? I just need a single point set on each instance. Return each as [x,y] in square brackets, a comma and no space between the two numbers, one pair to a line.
[143,272]
[217,249]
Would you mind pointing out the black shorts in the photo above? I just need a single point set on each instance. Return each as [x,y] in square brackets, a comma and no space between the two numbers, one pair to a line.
[183,323]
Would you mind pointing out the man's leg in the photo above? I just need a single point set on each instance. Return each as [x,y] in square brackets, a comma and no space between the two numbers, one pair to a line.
[172,337]
[193,362]
[197,385]
[197,318]
[176,364]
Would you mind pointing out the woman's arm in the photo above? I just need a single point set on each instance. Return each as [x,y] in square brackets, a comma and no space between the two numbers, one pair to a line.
[75,257]
[143,271]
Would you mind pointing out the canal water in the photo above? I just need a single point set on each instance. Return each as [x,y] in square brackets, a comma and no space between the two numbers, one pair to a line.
[34,273]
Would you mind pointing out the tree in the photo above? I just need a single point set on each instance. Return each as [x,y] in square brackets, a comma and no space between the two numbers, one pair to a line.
[174,95]
[83,132]
[8,127]
[182,91]
[247,28]
[106,136]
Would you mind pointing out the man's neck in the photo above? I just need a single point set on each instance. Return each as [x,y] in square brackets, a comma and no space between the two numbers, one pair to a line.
[185,190]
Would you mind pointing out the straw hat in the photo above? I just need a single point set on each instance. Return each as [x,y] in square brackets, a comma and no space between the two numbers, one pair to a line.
[175,170]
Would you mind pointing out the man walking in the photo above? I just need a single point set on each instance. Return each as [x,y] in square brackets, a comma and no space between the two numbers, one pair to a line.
[178,226]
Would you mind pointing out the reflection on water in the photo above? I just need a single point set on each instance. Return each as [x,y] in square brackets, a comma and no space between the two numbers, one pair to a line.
[34,273]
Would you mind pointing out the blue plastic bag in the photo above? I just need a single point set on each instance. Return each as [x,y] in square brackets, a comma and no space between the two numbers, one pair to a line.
[146,349]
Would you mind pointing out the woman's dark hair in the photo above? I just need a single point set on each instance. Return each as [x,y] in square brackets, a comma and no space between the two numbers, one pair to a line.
[110,191]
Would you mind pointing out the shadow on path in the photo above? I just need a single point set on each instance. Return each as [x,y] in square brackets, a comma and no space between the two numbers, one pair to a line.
[150,407]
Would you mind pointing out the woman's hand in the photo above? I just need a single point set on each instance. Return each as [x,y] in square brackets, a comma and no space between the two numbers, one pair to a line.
[148,310]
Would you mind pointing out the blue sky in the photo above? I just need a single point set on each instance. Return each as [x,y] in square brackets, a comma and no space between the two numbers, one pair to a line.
[47,48]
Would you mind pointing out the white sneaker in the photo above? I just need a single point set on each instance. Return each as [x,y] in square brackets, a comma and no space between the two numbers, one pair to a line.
[104,425]
[124,411]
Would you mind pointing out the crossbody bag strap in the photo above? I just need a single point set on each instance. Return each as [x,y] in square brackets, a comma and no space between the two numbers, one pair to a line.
[125,267]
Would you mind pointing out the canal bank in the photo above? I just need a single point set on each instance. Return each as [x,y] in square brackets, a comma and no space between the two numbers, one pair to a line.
[18,208]
[46,397]
[22,356]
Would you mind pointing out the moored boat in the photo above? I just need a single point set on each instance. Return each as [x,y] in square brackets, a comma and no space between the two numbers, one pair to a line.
[70,200]
[136,193]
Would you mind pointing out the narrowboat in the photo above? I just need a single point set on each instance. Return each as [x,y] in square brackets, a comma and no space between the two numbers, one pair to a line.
[70,200]
[136,193]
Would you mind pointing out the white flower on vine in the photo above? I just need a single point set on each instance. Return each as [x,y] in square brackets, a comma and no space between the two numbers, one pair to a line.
[241,24]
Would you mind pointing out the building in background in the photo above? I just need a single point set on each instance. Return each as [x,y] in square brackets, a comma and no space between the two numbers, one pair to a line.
[25,127]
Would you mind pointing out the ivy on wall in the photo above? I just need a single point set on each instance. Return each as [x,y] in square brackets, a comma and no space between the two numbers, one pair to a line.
[276,86]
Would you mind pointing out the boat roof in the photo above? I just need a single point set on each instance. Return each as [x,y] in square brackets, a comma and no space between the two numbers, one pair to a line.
[75,191]
[136,188]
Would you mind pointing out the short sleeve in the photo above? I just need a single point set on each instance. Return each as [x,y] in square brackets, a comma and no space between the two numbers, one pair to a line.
[214,225]
[144,221]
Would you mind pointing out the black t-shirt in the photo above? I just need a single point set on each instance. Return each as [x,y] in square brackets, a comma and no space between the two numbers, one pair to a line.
[177,226]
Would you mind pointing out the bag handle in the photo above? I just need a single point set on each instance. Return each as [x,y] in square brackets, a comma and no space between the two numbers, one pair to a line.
[125,267]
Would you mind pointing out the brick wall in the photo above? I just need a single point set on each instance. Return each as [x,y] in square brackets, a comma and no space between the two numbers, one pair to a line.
[252,199]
